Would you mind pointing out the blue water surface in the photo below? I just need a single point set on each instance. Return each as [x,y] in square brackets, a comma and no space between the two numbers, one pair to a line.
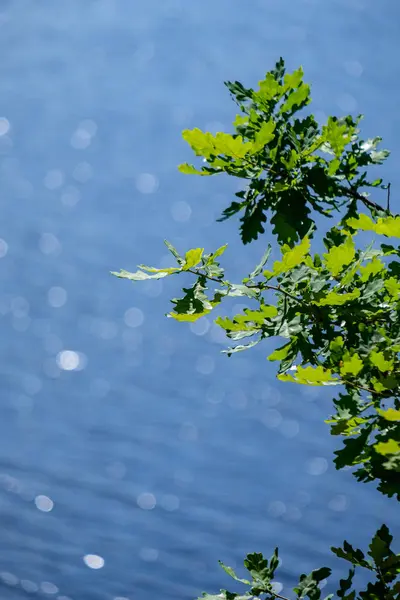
[133,454]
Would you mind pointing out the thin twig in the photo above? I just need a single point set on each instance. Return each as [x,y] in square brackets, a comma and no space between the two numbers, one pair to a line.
[360,387]
[261,286]
[388,197]
[279,596]
[368,203]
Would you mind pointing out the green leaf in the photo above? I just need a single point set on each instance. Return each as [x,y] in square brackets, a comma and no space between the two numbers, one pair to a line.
[258,567]
[298,99]
[378,360]
[379,549]
[352,365]
[347,426]
[230,325]
[262,262]
[352,450]
[352,555]
[293,80]
[339,256]
[389,447]
[174,252]
[188,169]
[308,585]
[241,347]
[335,299]
[311,376]
[232,573]
[373,267]
[188,318]
[390,414]
[264,135]
[194,301]
[201,143]
[345,585]
[258,316]
[393,287]
[269,89]
[281,353]
[192,258]
[243,290]
[218,252]
[168,270]
[139,275]
[389,226]
[291,258]
[337,134]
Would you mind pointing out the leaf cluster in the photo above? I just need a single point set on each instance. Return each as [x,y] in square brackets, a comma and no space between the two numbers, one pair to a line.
[335,314]
[382,563]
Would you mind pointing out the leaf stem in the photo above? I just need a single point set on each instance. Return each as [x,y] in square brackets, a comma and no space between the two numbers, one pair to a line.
[368,203]
[261,286]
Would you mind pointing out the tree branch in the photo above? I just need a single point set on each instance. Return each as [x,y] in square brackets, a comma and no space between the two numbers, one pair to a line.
[368,203]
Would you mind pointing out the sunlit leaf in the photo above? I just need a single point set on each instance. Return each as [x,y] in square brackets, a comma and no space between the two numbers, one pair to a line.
[335,299]
[298,98]
[389,447]
[339,256]
[389,226]
[264,135]
[373,267]
[391,414]
[139,275]
[291,258]
[281,353]
[192,258]
[311,376]
[189,317]
[379,361]
[352,366]
[188,169]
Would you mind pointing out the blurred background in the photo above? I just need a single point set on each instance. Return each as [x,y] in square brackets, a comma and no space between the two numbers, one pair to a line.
[133,454]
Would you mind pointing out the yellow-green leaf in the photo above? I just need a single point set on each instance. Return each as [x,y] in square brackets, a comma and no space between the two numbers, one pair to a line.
[393,287]
[230,325]
[336,345]
[291,161]
[291,258]
[311,376]
[259,316]
[218,252]
[201,143]
[335,299]
[390,414]
[337,134]
[240,120]
[188,317]
[226,144]
[167,270]
[389,226]
[292,80]
[297,98]
[379,361]
[264,135]
[192,258]
[187,169]
[389,447]
[371,268]
[281,353]
[269,88]
[340,256]
[352,365]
